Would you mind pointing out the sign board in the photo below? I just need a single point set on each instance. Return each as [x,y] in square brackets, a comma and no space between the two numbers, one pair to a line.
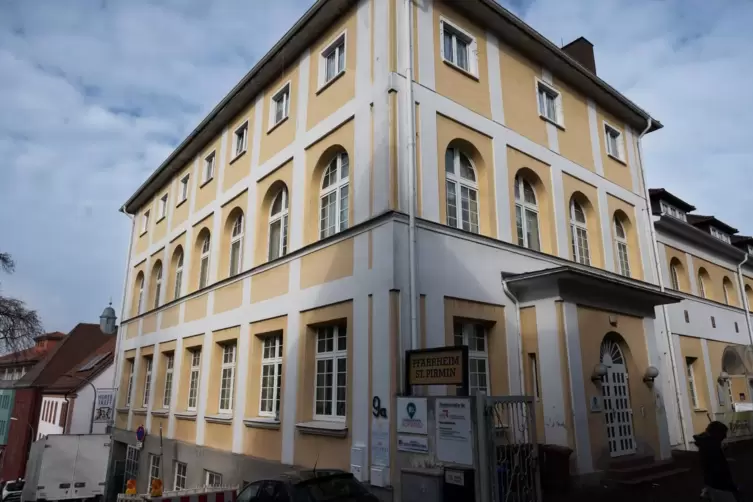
[380,442]
[413,444]
[140,434]
[454,437]
[411,415]
[439,366]
[104,407]
[139,445]
[454,477]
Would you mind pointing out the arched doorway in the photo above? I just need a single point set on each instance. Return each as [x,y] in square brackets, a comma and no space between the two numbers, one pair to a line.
[618,414]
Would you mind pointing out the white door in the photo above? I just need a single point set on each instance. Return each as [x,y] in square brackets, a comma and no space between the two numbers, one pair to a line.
[618,415]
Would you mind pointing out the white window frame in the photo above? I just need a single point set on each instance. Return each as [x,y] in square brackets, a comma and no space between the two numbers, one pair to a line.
[621,248]
[236,239]
[283,218]
[610,130]
[459,183]
[575,228]
[184,188]
[725,289]
[524,208]
[158,285]
[672,211]
[341,189]
[701,286]
[240,140]
[210,164]
[180,478]
[154,467]
[456,32]
[194,379]
[129,388]
[281,94]
[467,331]
[274,362]
[212,478]
[674,277]
[206,250]
[148,365]
[690,375]
[229,355]
[179,275]
[145,221]
[541,86]
[334,355]
[337,45]
[715,232]
[140,301]
[163,207]
[167,394]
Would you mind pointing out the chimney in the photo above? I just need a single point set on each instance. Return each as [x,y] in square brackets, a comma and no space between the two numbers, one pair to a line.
[582,51]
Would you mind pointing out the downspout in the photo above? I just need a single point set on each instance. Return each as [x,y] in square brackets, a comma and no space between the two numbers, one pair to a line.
[123,303]
[411,158]
[662,288]
[746,305]
[516,302]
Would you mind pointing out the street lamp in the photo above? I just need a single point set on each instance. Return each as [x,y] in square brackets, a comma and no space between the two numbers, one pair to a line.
[94,399]
[14,419]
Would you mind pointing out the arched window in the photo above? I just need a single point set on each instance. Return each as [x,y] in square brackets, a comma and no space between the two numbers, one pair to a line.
[178,273]
[278,225]
[157,283]
[579,231]
[140,297]
[334,197]
[749,295]
[728,289]
[462,191]
[526,214]
[702,274]
[236,245]
[620,238]
[204,263]
[674,274]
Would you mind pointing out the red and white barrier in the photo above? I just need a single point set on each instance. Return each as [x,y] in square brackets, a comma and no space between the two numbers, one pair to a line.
[205,494]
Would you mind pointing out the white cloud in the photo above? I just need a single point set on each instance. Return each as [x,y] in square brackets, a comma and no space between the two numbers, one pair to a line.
[95,94]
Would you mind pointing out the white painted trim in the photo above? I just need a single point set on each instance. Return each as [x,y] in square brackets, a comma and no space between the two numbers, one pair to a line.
[621,156]
[631,160]
[177,365]
[289,392]
[551,129]
[341,37]
[272,124]
[495,78]
[206,366]
[692,275]
[561,214]
[136,367]
[713,404]
[473,51]
[550,371]
[502,191]
[654,357]
[429,160]
[607,232]
[240,387]
[682,392]
[424,41]
[593,124]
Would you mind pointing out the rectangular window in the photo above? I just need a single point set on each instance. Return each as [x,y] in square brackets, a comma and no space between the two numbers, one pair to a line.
[613,140]
[184,187]
[581,253]
[147,380]
[193,380]
[154,464]
[692,392]
[672,211]
[333,59]
[241,139]
[280,106]
[132,462]
[456,47]
[212,478]
[474,336]
[181,471]
[720,235]
[622,253]
[209,167]
[163,206]
[235,257]
[330,385]
[550,103]
[167,396]
[145,222]
[271,376]
[227,378]
[130,365]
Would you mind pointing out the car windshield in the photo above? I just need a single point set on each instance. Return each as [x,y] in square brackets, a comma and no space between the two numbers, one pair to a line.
[14,486]
[336,488]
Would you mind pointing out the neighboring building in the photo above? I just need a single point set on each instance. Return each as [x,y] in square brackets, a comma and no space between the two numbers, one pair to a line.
[13,367]
[267,297]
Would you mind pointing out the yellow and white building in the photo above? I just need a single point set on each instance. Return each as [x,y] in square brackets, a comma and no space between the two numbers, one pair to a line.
[267,297]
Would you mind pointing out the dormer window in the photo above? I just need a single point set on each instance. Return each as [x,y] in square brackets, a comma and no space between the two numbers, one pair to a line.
[750,249]
[720,235]
[672,211]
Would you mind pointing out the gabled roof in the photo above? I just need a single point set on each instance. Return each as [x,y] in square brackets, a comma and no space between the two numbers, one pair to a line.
[86,370]
[665,195]
[699,220]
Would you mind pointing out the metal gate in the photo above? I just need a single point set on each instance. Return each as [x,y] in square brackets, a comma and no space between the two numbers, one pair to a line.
[508,452]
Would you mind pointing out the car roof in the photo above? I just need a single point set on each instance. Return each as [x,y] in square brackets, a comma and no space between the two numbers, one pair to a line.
[300,476]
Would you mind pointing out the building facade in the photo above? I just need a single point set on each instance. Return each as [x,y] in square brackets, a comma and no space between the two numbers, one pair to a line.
[267,297]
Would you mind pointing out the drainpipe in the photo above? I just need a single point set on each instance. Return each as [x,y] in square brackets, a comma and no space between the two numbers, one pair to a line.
[116,359]
[746,305]
[411,158]
[516,302]
[662,288]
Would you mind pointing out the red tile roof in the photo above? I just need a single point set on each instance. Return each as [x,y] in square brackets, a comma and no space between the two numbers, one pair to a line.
[35,353]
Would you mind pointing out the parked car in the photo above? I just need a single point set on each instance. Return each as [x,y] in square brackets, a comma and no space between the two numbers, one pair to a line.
[308,486]
[12,490]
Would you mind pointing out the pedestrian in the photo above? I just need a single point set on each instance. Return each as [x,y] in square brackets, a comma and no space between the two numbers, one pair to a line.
[717,478]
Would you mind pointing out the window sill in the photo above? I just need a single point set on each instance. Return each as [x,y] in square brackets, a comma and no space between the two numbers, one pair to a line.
[330,82]
[278,124]
[554,123]
[206,182]
[158,221]
[322,428]
[185,415]
[161,413]
[460,69]
[123,410]
[139,411]
[616,159]
[237,157]
[262,423]
[700,410]
[181,203]
[222,418]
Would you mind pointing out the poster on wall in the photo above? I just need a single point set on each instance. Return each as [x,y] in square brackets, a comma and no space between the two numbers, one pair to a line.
[103,408]
[454,434]
[411,415]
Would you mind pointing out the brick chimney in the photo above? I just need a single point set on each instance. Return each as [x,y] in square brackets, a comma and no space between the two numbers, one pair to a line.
[582,51]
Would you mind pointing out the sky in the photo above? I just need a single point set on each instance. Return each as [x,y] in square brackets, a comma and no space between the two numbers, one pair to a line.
[94,94]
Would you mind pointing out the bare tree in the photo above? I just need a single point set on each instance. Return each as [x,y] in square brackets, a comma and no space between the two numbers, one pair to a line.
[18,324]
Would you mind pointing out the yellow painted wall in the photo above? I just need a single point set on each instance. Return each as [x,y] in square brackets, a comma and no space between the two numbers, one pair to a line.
[587,196]
[185,430]
[529,336]
[452,82]
[149,324]
[160,222]
[519,95]
[267,189]
[575,140]
[180,212]
[206,191]
[142,237]
[170,317]
[228,297]
[275,138]
[713,284]
[675,256]
[128,331]
[121,420]
[229,213]
[538,174]
[270,283]
[614,170]
[629,220]
[196,308]
[218,436]
[327,264]
[478,148]
[691,348]
[238,166]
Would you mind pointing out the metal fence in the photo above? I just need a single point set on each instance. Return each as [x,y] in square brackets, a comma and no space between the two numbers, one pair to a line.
[507,449]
